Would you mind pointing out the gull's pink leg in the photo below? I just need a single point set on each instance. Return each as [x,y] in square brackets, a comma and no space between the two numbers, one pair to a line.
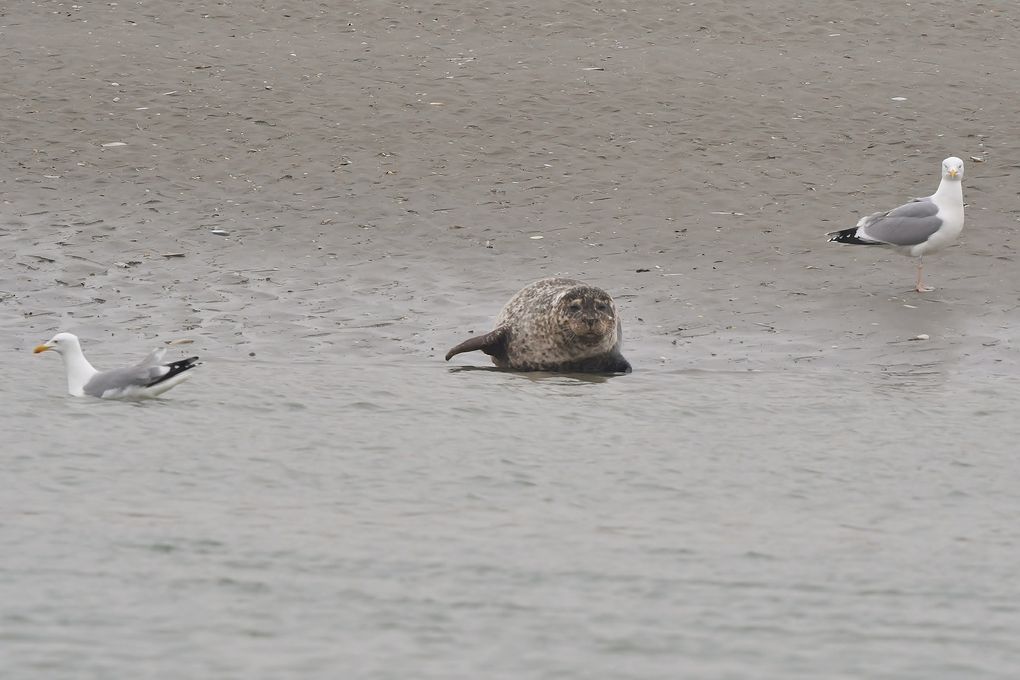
[919,288]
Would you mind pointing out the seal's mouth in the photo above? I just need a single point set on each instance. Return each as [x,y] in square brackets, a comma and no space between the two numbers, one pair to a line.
[590,338]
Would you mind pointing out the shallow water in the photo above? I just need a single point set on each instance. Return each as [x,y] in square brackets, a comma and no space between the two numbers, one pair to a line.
[325,198]
[418,520]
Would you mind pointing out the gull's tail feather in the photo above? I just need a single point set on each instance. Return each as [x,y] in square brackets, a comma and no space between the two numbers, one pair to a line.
[849,236]
[176,368]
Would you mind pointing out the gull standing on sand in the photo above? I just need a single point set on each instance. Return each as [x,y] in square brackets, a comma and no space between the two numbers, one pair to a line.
[923,226]
[144,380]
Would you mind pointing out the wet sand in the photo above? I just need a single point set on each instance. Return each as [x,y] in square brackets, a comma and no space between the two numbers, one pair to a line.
[382,174]
[325,200]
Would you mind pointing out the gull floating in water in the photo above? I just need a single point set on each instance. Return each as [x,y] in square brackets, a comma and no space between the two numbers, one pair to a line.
[147,379]
[923,226]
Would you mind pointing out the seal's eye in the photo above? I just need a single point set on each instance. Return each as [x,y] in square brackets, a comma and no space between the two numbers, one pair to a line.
[601,306]
[574,306]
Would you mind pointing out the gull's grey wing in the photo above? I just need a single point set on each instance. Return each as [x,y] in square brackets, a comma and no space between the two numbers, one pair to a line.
[919,207]
[907,225]
[138,376]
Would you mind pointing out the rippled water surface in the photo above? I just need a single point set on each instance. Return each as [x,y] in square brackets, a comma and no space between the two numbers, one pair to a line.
[418,521]
[811,474]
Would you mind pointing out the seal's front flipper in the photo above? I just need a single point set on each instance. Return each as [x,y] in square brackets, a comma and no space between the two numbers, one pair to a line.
[492,343]
[615,363]
[607,363]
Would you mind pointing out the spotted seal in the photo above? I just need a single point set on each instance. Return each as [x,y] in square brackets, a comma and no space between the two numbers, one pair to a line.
[558,325]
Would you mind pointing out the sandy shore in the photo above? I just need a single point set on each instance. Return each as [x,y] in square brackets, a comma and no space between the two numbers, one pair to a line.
[325,200]
[378,180]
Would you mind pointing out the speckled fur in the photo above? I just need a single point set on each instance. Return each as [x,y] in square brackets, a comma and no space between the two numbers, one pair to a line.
[537,331]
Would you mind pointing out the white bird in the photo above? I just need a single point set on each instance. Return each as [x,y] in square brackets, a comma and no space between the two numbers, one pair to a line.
[147,379]
[923,226]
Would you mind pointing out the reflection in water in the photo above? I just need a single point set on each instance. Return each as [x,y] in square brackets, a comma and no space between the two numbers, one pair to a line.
[543,376]
[913,342]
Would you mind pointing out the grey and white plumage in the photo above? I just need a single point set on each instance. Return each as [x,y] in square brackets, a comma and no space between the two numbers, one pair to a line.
[146,379]
[923,226]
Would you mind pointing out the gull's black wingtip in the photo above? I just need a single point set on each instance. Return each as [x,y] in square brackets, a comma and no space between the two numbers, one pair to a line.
[848,236]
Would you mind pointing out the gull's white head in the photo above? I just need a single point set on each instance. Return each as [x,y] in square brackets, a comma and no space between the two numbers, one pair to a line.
[58,343]
[952,168]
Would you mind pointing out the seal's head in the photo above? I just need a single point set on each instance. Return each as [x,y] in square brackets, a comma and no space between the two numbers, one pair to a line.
[587,317]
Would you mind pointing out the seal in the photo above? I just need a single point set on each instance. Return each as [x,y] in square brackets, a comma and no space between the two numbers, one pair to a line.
[555,324]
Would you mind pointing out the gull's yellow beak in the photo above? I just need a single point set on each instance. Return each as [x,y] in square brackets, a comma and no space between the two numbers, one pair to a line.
[953,172]
[41,348]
